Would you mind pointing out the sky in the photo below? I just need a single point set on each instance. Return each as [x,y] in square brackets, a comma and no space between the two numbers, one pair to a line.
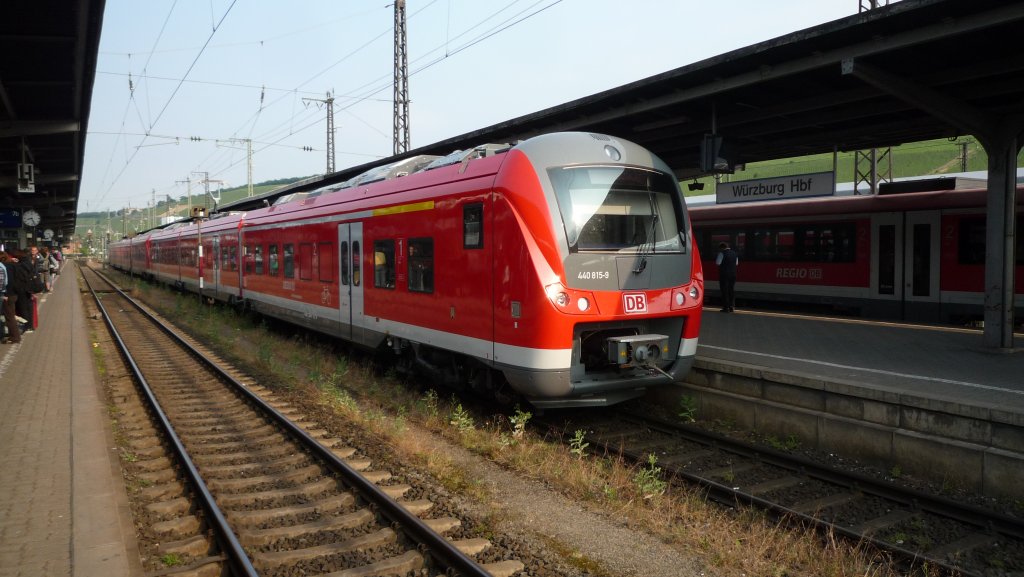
[182,86]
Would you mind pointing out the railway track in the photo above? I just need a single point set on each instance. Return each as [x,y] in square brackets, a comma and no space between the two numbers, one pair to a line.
[917,528]
[231,485]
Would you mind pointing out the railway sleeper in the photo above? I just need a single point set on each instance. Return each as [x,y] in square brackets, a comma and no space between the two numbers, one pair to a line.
[373,540]
[209,446]
[236,470]
[167,490]
[178,528]
[302,475]
[250,435]
[159,477]
[150,465]
[773,485]
[220,459]
[504,568]
[318,487]
[260,516]
[195,546]
[262,537]
[972,541]
[170,508]
[815,505]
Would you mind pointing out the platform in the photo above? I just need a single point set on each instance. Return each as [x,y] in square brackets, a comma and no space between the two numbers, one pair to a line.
[926,400]
[63,510]
[930,360]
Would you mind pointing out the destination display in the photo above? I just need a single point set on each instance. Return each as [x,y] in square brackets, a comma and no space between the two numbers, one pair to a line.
[779,188]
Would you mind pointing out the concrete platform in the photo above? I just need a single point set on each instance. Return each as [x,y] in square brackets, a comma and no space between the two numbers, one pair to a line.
[63,510]
[929,400]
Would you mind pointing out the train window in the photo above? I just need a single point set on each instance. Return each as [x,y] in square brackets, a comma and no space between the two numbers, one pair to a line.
[356,259]
[306,261]
[619,209]
[709,240]
[272,256]
[774,244]
[971,241]
[233,258]
[887,259]
[344,263]
[325,256]
[247,256]
[384,264]
[258,257]
[473,226]
[288,255]
[421,265]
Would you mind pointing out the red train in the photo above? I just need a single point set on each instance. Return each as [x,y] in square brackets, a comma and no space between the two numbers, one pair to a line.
[912,256]
[563,266]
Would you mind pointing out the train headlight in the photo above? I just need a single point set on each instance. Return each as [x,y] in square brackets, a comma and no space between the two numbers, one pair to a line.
[694,292]
[583,304]
[680,299]
[561,299]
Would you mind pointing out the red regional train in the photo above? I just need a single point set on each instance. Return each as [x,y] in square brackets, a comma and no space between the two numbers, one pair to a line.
[916,256]
[563,266]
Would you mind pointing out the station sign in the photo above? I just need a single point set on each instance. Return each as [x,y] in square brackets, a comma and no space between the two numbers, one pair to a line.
[10,218]
[779,188]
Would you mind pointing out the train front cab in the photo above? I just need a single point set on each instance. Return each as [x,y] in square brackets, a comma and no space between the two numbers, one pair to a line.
[613,288]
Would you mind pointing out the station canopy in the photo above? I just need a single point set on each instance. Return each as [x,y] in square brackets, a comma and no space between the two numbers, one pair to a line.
[48,52]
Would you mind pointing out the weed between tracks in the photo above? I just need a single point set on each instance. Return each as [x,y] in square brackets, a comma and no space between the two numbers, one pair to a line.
[730,542]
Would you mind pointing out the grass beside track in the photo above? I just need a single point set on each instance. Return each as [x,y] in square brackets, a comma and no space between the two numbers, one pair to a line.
[311,371]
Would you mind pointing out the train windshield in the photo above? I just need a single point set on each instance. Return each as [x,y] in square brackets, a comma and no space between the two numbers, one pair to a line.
[617,209]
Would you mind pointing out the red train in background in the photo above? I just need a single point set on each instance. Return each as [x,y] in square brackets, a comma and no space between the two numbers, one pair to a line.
[917,256]
[563,267]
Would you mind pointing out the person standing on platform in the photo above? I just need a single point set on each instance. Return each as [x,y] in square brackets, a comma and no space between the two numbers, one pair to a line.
[728,261]
[24,273]
[10,297]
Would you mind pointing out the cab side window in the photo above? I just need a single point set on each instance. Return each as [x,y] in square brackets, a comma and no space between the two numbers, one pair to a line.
[473,226]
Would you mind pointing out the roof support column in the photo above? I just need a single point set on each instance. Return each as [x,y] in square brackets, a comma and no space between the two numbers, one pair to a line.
[1001,138]
[1000,221]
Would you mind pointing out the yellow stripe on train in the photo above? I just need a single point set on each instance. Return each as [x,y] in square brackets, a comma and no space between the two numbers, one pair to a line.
[414,207]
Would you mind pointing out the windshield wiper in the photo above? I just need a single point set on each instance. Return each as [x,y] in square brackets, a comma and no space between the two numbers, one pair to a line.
[641,249]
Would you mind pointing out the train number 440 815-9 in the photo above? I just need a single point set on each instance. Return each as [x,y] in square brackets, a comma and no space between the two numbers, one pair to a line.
[593,275]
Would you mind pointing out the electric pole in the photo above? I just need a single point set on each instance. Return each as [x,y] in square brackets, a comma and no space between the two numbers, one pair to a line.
[329,103]
[401,98]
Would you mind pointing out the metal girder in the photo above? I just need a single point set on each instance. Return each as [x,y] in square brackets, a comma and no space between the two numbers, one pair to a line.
[38,128]
[959,114]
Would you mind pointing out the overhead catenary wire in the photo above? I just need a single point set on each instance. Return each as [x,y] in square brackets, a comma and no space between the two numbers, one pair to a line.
[298,122]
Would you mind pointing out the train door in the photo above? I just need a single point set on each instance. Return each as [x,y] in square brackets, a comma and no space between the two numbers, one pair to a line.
[216,266]
[350,243]
[905,264]
[886,259]
[921,265]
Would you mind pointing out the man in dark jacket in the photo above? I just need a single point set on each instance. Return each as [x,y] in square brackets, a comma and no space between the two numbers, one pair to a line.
[9,299]
[728,261]
[24,271]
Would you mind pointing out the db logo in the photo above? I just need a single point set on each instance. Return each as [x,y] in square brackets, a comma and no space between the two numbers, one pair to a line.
[634,303]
